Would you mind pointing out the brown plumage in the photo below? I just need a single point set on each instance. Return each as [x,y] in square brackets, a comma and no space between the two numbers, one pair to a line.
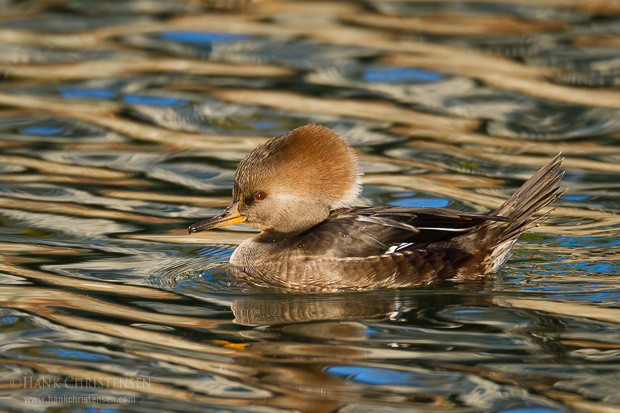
[334,171]
[294,188]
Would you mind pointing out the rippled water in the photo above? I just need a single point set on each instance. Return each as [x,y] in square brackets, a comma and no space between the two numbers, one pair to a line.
[122,122]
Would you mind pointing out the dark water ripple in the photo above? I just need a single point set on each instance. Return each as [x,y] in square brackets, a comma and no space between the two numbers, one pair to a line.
[516,10]
[53,130]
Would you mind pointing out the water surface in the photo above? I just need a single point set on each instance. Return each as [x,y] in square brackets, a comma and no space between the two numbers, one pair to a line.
[122,122]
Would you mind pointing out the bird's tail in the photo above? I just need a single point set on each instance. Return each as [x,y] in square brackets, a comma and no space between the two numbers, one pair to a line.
[538,192]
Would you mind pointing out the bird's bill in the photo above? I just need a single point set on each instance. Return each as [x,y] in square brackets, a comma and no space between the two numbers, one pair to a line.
[228,216]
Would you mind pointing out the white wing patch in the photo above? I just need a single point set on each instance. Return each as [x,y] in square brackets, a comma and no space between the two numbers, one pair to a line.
[397,247]
[445,229]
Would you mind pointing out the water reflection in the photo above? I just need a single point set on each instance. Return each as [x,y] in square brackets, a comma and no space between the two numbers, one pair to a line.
[349,339]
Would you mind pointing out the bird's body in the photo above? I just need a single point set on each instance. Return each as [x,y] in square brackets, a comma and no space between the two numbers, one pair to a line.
[312,242]
[360,248]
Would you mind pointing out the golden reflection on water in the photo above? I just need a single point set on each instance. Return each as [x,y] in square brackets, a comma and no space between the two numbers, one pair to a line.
[116,134]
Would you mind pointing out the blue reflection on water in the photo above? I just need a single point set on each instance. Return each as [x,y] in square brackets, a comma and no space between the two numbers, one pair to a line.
[266,124]
[574,197]
[588,268]
[422,202]
[588,241]
[88,93]
[238,390]
[8,320]
[381,376]
[400,75]
[41,130]
[102,410]
[203,37]
[371,375]
[470,311]
[154,100]
[533,410]
[75,354]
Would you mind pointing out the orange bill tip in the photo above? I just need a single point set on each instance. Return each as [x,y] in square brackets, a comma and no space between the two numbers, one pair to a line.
[227,217]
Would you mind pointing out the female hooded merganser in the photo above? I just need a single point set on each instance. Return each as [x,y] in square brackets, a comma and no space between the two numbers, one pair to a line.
[296,188]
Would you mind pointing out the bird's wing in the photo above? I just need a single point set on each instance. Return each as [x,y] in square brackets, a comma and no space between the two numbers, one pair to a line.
[362,232]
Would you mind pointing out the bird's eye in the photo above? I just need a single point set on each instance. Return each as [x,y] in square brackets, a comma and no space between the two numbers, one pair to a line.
[260,195]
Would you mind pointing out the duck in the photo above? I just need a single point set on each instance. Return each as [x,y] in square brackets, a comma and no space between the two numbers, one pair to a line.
[299,188]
